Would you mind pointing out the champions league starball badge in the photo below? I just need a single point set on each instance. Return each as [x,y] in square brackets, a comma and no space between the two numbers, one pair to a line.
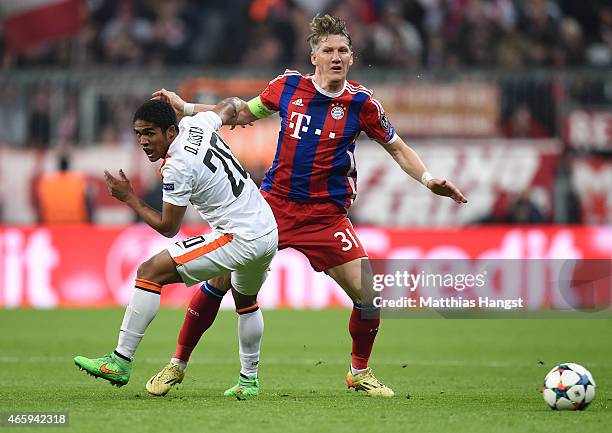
[337,112]
[384,122]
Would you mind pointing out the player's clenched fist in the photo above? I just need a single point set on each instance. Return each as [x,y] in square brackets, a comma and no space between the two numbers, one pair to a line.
[120,188]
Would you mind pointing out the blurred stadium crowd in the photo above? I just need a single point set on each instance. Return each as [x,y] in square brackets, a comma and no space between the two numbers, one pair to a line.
[492,73]
[392,33]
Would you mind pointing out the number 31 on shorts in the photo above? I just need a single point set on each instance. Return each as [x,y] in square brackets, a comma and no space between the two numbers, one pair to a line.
[347,238]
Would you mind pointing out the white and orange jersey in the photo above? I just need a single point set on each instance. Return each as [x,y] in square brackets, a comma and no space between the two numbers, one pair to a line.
[200,169]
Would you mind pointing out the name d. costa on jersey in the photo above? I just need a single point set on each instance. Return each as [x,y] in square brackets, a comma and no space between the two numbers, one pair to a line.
[194,137]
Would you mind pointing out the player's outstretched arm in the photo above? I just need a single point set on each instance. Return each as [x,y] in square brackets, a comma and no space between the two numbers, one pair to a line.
[167,222]
[410,162]
[182,108]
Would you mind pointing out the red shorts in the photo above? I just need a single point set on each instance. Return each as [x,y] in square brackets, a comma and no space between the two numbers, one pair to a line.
[320,231]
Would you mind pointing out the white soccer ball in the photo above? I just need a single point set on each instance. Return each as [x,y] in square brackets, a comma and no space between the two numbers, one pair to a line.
[568,386]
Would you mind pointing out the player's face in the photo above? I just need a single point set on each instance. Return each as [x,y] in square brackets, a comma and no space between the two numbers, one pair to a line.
[153,141]
[333,58]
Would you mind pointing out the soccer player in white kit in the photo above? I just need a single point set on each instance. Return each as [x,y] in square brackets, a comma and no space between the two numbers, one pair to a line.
[199,168]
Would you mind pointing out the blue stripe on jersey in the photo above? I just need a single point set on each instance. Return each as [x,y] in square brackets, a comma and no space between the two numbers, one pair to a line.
[336,184]
[289,89]
[301,173]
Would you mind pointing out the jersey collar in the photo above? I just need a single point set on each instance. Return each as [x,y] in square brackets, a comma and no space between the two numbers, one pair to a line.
[163,163]
[325,92]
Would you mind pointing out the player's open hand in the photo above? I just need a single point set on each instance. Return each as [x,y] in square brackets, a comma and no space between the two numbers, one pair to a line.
[120,188]
[445,188]
[171,98]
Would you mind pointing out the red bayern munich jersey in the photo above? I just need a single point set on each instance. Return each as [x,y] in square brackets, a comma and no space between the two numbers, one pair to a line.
[314,159]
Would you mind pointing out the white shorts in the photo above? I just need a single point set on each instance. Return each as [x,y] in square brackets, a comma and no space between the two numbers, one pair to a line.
[201,258]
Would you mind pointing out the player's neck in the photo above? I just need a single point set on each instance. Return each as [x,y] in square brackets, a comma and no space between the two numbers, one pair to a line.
[328,85]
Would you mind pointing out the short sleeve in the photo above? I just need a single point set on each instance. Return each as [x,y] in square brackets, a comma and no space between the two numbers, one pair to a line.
[375,123]
[271,95]
[176,183]
[209,120]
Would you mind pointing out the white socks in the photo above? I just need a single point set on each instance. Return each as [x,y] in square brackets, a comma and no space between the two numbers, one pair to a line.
[250,333]
[356,371]
[139,313]
[182,365]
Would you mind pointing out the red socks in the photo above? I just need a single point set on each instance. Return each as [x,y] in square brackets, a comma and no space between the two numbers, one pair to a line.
[205,304]
[363,332]
[201,313]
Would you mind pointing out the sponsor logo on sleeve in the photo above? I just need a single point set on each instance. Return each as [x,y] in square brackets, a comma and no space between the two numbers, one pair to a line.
[390,133]
[168,186]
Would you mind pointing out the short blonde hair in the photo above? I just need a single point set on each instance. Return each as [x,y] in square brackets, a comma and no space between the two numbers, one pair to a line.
[325,25]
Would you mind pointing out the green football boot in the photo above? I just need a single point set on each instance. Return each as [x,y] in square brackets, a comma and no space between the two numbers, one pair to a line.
[247,386]
[110,367]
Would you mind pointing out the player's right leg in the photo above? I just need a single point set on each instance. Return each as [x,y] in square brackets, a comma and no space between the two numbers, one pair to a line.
[142,308]
[199,258]
[200,315]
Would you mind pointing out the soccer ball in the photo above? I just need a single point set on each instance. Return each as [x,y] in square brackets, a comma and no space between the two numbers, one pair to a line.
[568,387]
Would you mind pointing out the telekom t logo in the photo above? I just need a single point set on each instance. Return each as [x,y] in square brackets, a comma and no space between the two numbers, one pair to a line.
[297,125]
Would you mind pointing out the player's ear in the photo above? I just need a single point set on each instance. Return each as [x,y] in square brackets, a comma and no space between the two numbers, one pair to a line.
[313,58]
[351,59]
[171,132]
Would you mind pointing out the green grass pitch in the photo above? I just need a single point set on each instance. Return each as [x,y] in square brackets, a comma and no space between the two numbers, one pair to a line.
[460,375]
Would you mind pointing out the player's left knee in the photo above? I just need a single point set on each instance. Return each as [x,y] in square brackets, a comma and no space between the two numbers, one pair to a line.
[159,269]
[146,270]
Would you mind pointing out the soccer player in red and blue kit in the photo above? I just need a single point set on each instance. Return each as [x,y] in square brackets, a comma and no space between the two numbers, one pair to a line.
[310,186]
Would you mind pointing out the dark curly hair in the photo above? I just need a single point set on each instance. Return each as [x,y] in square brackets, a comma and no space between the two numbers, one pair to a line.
[158,113]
